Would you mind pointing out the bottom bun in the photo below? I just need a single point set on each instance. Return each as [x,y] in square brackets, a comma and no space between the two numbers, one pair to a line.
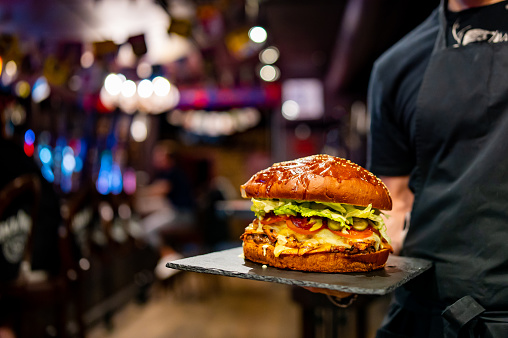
[316,262]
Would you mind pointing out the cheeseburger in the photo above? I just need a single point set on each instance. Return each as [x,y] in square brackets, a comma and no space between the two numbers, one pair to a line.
[318,213]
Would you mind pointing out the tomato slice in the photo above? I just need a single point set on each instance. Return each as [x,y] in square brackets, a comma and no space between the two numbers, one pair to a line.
[273,219]
[301,225]
[354,234]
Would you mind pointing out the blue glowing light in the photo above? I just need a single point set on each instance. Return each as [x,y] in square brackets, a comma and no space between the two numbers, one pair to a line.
[111,141]
[45,155]
[106,161]
[68,163]
[61,142]
[66,183]
[102,183]
[110,179]
[40,90]
[67,150]
[29,137]
[79,164]
[116,180]
[47,173]
[57,156]
[82,148]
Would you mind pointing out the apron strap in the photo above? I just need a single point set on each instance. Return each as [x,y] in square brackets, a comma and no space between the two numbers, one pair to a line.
[459,314]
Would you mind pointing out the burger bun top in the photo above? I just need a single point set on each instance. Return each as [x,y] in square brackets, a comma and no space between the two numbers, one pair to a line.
[319,178]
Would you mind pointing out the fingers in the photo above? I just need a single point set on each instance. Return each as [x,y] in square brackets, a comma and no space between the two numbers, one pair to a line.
[338,298]
[334,293]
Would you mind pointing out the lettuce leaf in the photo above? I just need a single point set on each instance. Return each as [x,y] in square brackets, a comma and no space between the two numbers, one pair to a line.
[338,212]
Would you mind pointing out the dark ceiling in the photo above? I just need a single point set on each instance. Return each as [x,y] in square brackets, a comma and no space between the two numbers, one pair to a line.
[338,41]
[304,32]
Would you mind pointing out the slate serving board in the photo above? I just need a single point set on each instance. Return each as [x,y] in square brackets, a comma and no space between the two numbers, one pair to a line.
[398,270]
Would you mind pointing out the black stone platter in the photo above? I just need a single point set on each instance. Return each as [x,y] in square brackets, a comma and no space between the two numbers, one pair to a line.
[398,270]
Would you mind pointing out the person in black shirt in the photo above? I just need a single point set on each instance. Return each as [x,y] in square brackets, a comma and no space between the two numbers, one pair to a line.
[168,203]
[439,119]
[45,256]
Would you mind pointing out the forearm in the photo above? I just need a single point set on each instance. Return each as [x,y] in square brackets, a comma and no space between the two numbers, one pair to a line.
[402,198]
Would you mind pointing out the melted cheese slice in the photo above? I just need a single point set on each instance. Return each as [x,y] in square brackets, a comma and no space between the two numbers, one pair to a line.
[322,241]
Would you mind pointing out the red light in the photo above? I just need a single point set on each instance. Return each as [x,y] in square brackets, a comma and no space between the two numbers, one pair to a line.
[29,149]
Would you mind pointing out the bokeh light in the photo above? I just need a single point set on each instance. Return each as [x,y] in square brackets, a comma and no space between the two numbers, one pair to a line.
[11,68]
[161,86]
[129,181]
[258,34]
[116,184]
[68,160]
[29,149]
[113,84]
[22,89]
[128,88]
[45,155]
[269,73]
[29,136]
[87,59]
[144,70]
[75,83]
[47,173]
[9,73]
[145,88]
[269,55]
[68,163]
[124,211]
[290,110]
[41,90]
[139,129]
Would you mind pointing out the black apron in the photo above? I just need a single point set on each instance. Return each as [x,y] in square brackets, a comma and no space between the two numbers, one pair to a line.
[460,215]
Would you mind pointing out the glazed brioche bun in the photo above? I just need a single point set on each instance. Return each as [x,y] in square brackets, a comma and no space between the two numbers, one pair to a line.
[319,178]
[332,262]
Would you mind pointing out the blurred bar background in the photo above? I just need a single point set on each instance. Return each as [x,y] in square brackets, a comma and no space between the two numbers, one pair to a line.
[89,88]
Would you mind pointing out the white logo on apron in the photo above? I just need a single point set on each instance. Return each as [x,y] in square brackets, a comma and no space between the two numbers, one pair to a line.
[469,35]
